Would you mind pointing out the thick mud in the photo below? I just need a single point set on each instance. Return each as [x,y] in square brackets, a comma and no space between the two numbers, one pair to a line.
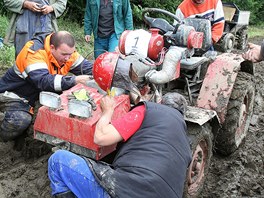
[24,173]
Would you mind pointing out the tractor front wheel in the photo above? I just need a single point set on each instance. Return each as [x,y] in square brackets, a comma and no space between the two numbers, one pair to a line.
[201,145]
[239,113]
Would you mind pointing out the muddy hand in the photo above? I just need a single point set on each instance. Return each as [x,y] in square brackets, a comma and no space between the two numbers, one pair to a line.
[253,53]
[83,79]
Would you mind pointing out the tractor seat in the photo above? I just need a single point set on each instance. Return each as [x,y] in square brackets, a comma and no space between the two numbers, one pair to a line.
[192,63]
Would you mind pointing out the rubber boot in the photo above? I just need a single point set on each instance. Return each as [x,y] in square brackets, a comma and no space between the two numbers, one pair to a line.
[67,194]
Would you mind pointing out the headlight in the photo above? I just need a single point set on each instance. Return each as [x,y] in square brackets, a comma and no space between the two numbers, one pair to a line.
[80,108]
[50,99]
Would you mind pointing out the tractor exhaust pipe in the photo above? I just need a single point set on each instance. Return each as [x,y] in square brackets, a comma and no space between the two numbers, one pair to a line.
[169,67]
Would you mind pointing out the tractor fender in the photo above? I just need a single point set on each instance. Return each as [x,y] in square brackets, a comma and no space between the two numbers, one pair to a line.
[219,81]
[200,116]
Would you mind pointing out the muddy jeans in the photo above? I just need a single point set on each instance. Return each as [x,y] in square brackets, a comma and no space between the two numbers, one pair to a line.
[15,118]
[70,172]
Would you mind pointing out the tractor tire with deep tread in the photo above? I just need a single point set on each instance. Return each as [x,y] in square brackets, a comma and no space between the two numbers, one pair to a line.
[201,145]
[242,40]
[239,113]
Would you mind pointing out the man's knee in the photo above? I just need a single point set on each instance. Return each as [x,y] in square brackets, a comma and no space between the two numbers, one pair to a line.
[58,156]
[14,124]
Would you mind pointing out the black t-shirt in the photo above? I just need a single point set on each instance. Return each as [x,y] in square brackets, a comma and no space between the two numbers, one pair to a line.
[106,19]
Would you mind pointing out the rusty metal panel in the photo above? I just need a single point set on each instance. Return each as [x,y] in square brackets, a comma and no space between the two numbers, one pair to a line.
[218,83]
[79,131]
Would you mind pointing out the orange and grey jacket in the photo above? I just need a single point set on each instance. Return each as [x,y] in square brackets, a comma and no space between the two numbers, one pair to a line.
[210,9]
[37,70]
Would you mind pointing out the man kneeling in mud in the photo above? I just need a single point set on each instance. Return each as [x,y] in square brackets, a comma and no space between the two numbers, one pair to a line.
[42,65]
[152,159]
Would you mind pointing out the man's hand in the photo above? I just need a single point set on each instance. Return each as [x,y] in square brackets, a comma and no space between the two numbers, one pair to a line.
[107,104]
[87,38]
[46,9]
[83,79]
[34,7]
[253,54]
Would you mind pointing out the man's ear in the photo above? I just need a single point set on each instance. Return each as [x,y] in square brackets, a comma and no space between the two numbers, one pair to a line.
[52,47]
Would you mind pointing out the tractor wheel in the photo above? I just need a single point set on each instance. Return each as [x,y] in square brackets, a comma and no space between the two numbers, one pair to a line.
[239,113]
[242,39]
[201,145]
[228,42]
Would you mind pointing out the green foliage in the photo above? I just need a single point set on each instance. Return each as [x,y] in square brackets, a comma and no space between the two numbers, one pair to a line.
[7,57]
[3,25]
[256,8]
[7,53]
[75,11]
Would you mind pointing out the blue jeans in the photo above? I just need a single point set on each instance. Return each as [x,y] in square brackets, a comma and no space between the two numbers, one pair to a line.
[102,45]
[70,172]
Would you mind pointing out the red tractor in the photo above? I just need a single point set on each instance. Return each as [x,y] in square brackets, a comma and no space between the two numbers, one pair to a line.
[164,59]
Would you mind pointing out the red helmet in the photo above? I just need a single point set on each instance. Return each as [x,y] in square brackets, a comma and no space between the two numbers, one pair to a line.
[104,69]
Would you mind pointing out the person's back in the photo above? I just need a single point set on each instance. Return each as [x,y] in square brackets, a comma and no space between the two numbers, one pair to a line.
[154,161]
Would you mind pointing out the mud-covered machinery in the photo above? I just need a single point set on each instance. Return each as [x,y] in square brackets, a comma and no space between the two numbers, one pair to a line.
[164,59]
[235,34]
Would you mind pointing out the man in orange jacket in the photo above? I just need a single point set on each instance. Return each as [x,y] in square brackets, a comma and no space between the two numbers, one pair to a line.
[42,65]
[207,9]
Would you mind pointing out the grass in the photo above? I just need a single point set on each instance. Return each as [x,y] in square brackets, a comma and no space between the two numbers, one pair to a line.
[7,53]
[7,57]
[256,31]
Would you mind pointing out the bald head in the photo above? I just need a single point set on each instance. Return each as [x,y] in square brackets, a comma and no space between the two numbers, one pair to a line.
[62,37]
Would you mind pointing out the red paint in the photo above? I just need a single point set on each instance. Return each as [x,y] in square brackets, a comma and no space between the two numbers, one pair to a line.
[218,83]
[156,44]
[76,130]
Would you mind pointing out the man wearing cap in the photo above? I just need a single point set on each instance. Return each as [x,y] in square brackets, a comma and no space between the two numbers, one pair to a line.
[152,158]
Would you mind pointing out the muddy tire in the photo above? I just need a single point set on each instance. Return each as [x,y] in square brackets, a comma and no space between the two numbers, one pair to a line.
[201,145]
[242,39]
[239,113]
[226,43]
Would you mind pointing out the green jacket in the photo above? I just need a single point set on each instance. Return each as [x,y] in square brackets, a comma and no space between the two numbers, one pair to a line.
[122,12]
[15,6]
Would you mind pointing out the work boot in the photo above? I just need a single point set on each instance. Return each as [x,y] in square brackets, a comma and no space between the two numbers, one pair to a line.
[67,194]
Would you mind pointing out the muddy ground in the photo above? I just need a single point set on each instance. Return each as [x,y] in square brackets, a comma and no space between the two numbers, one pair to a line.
[24,173]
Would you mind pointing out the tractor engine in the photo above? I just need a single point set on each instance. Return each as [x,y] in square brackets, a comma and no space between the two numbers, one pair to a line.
[160,64]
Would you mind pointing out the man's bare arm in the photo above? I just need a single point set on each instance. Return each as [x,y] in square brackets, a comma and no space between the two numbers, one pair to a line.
[105,133]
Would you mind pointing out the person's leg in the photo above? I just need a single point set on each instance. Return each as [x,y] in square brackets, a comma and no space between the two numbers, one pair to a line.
[113,42]
[14,124]
[69,172]
[100,46]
